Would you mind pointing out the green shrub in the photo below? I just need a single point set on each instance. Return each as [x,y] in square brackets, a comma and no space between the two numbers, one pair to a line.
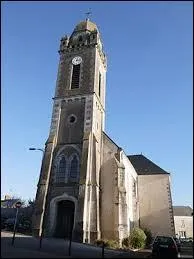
[137,238]
[107,243]
[112,244]
[126,242]
[148,234]
[99,242]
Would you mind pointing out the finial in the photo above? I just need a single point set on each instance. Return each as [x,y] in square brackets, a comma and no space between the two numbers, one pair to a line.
[88,14]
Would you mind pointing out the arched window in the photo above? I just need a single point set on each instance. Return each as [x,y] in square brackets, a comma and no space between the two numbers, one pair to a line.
[61,170]
[74,169]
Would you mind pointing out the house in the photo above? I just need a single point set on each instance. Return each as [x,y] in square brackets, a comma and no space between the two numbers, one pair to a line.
[183,220]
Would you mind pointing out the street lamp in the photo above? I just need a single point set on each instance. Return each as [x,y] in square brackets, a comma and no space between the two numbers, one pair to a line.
[41,235]
[33,148]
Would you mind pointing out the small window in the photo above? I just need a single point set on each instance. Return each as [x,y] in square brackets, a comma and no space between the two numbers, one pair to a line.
[182,234]
[75,76]
[134,189]
[80,38]
[99,84]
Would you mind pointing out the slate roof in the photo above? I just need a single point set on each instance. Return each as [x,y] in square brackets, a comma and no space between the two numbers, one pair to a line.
[144,166]
[182,211]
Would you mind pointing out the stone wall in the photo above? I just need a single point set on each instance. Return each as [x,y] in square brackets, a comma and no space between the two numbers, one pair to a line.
[156,204]
[109,171]
[184,223]
[131,194]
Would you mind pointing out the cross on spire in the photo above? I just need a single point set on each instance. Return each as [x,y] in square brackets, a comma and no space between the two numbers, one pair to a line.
[87,15]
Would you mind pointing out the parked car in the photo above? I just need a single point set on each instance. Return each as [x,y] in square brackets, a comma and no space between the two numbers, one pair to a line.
[164,246]
[186,241]
[9,224]
[3,219]
[178,243]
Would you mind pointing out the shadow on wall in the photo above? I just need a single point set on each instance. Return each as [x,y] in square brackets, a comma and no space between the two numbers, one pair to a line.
[107,199]
[158,222]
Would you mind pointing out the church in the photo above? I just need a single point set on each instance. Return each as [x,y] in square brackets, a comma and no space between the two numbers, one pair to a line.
[89,188]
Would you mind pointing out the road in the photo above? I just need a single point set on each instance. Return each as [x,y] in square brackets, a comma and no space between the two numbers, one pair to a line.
[28,246]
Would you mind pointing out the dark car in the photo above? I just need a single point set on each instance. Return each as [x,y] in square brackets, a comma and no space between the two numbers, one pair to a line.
[9,224]
[164,246]
[3,219]
[178,243]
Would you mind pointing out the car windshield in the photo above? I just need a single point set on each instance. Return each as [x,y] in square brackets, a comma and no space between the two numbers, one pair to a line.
[163,240]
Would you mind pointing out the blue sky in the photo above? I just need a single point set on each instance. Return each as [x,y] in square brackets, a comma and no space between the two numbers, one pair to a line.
[149,84]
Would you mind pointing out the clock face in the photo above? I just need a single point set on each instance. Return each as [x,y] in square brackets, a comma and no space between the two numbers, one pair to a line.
[77,60]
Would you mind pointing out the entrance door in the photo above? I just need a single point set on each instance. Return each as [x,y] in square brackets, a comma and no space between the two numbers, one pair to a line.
[65,219]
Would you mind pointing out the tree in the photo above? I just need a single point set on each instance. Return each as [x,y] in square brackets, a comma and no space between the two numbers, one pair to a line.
[31,202]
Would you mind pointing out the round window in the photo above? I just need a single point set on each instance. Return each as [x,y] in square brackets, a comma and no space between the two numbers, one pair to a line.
[72,119]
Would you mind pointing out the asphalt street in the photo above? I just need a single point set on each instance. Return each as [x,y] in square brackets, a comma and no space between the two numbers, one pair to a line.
[28,247]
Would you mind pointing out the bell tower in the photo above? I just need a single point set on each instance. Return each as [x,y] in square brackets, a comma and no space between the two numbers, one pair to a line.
[71,164]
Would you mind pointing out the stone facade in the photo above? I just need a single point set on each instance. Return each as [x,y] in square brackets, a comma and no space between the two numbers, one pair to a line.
[75,133]
[155,204]
[183,226]
[82,166]
[183,219]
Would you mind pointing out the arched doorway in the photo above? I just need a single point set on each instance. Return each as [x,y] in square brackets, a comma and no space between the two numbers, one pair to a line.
[64,219]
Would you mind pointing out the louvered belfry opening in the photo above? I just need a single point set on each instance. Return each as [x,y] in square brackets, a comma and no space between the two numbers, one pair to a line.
[75,77]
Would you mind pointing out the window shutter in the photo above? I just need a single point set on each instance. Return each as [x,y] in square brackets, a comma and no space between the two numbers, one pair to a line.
[75,77]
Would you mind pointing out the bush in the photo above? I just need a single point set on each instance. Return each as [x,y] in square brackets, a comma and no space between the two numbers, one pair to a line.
[148,234]
[112,244]
[137,239]
[126,242]
[99,242]
[108,243]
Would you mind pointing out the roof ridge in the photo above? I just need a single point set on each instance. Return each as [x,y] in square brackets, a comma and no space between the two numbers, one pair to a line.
[145,166]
